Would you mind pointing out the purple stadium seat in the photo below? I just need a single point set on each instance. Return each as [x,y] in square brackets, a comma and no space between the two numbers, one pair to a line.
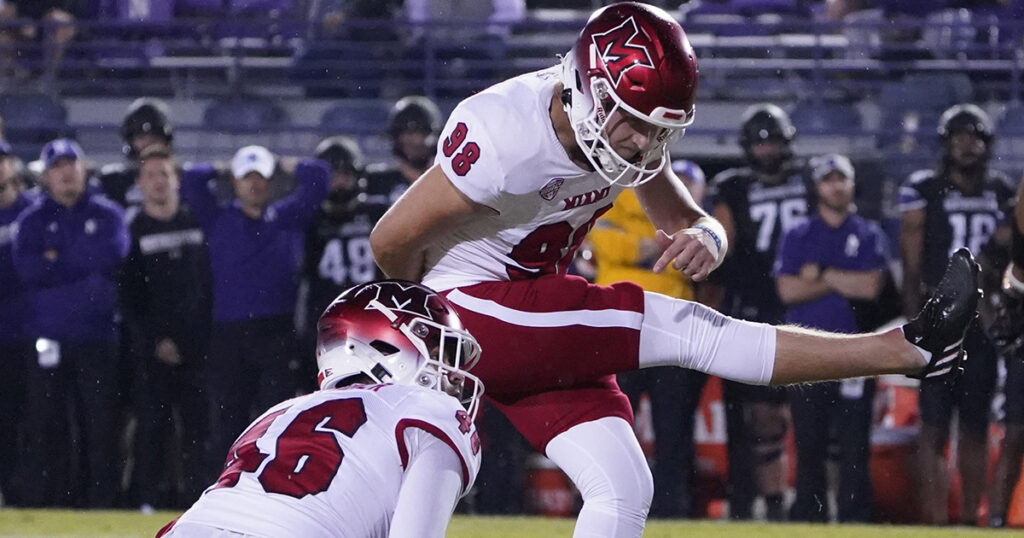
[208,4]
[260,5]
[145,10]
[240,115]
[753,8]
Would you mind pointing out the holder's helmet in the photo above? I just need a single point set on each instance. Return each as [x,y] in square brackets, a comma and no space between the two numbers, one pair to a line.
[400,332]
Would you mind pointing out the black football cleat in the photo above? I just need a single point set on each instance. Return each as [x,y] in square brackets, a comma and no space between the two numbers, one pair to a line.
[940,326]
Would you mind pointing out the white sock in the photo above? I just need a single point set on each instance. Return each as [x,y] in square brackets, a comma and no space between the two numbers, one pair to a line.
[924,352]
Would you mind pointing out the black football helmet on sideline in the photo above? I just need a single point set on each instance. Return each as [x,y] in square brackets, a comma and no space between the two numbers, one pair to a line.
[966,118]
[342,153]
[762,122]
[145,116]
[401,332]
[414,113]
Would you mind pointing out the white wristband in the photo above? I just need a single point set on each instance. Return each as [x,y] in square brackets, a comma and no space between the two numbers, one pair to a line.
[711,234]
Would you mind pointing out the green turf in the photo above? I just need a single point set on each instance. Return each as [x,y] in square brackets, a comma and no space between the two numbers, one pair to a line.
[94,523]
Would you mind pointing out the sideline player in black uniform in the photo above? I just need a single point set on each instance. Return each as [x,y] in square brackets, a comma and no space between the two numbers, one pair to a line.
[337,251]
[337,244]
[756,204]
[145,125]
[958,204]
[165,293]
[1009,337]
[413,125]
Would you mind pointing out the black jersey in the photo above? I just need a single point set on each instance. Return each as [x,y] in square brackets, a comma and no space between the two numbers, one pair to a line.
[954,219]
[117,182]
[338,254]
[384,184]
[165,285]
[761,213]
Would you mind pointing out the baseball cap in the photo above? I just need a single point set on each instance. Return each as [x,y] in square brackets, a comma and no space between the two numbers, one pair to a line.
[61,148]
[833,162]
[253,159]
[689,169]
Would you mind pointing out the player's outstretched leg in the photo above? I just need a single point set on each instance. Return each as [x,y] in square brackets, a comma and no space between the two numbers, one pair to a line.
[940,326]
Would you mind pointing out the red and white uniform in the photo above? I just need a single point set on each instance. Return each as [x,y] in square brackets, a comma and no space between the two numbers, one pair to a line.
[335,463]
[551,343]
[500,149]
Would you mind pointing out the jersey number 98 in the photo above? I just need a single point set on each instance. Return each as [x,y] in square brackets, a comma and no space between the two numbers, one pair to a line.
[464,160]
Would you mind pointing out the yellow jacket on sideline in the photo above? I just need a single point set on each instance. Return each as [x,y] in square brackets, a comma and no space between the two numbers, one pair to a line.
[616,241]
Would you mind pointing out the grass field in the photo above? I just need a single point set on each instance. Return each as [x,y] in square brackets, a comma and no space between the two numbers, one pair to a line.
[65,523]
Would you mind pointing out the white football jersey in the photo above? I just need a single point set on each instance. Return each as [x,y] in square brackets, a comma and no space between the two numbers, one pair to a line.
[500,149]
[331,463]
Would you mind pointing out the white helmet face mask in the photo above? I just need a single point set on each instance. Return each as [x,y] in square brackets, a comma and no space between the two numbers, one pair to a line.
[590,120]
[447,353]
[438,360]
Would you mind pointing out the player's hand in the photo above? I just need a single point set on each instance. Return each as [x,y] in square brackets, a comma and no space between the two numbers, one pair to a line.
[167,352]
[1013,282]
[288,164]
[686,253]
[810,271]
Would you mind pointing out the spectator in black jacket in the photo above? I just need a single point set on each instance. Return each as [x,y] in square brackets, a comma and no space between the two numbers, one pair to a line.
[165,290]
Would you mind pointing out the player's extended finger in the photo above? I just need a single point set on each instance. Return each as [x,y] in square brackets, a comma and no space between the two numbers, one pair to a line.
[701,265]
[688,256]
[671,252]
[703,272]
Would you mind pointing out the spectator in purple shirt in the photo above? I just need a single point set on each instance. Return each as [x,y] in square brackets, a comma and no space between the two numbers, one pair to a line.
[823,264]
[15,347]
[67,252]
[255,254]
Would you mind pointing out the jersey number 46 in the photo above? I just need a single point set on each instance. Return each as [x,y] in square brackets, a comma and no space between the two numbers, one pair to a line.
[307,454]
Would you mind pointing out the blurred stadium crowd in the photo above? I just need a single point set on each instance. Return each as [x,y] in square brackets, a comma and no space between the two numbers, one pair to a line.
[143,317]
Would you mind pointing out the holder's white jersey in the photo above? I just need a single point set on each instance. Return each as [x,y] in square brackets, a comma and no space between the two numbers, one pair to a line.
[500,150]
[331,463]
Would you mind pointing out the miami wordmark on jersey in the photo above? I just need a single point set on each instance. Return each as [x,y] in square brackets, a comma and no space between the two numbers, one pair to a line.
[500,150]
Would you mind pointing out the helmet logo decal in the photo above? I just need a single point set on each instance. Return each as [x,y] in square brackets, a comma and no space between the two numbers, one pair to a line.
[621,49]
[397,297]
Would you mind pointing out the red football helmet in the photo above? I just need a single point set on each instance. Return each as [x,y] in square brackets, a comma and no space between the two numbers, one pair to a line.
[633,57]
[398,332]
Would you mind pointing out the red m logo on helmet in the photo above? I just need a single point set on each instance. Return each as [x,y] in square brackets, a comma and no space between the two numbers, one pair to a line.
[622,48]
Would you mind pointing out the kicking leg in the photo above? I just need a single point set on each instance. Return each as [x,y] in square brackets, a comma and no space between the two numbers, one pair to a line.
[681,333]
[691,335]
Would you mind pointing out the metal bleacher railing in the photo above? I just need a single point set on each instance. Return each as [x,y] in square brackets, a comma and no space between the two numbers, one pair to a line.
[860,62]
